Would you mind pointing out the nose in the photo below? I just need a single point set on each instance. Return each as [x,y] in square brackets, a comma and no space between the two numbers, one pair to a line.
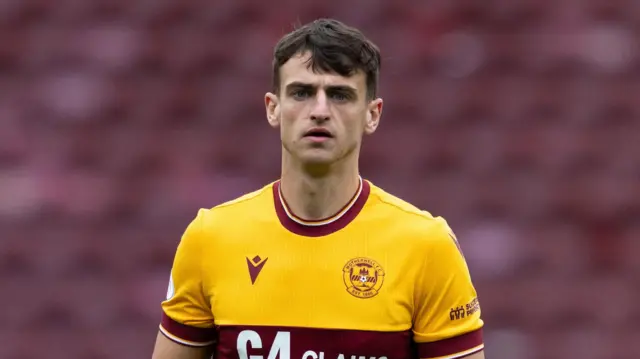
[320,110]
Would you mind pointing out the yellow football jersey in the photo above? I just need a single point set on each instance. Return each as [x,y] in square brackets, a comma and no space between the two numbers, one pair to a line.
[380,279]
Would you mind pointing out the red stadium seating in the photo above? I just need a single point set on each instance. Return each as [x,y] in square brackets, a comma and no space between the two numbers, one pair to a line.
[515,120]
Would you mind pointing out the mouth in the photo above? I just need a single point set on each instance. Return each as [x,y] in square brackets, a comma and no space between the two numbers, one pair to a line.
[318,133]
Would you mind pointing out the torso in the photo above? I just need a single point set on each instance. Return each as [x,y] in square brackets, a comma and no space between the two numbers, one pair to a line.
[277,294]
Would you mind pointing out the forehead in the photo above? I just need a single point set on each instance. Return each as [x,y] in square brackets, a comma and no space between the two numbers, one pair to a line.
[298,69]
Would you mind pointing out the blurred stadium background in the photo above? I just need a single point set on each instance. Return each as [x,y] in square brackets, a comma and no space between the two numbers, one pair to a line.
[517,120]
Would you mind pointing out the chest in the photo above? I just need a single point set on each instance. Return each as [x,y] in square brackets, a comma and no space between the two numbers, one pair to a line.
[313,298]
[330,282]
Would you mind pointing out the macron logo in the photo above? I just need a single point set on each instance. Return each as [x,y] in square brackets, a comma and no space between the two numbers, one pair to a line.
[255,266]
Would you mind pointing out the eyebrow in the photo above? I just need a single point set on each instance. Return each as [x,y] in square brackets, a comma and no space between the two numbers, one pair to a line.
[303,85]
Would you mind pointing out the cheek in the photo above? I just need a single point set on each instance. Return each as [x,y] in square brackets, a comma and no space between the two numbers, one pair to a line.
[288,121]
[356,124]
[290,112]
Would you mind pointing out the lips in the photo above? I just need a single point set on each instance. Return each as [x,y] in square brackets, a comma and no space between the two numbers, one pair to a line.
[318,132]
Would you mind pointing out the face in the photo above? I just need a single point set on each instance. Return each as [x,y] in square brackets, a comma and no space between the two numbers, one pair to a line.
[322,117]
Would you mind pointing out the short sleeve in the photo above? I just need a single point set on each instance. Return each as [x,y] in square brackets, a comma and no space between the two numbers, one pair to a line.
[186,313]
[447,321]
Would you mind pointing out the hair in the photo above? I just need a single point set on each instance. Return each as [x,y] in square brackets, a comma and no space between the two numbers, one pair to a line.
[334,47]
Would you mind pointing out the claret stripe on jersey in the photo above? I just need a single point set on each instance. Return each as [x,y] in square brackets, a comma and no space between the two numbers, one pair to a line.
[321,222]
[326,226]
[186,335]
[242,342]
[453,348]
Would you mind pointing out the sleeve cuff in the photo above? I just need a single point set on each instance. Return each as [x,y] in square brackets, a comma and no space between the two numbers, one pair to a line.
[453,348]
[185,334]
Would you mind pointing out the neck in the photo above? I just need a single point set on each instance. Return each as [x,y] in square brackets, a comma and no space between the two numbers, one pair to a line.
[316,195]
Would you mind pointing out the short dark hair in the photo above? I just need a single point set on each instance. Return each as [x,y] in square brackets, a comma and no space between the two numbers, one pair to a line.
[334,47]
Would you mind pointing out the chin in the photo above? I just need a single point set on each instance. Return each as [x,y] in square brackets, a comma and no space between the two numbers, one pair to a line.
[317,157]
[317,160]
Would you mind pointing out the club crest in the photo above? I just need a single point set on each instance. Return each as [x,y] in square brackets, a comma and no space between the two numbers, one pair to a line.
[363,277]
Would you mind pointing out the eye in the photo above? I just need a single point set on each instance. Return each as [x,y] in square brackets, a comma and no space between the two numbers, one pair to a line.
[300,94]
[339,97]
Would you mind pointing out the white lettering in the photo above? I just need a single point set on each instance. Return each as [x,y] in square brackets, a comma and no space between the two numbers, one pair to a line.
[249,339]
[281,345]
[310,354]
[245,338]
[280,348]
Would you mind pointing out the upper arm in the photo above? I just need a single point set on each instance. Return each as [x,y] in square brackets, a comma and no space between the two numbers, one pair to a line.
[478,355]
[447,321]
[187,319]
[168,349]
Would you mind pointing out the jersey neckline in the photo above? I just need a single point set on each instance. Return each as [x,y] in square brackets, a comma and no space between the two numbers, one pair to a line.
[325,226]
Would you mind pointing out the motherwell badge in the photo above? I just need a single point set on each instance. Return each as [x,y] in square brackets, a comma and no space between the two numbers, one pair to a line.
[363,277]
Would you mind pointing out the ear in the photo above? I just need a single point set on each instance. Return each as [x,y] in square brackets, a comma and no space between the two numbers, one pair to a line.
[272,105]
[373,116]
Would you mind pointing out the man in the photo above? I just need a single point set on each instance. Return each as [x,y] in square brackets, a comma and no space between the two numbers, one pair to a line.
[320,264]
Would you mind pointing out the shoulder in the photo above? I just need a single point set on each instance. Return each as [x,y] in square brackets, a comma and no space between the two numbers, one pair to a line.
[422,235]
[248,200]
[229,214]
[414,223]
